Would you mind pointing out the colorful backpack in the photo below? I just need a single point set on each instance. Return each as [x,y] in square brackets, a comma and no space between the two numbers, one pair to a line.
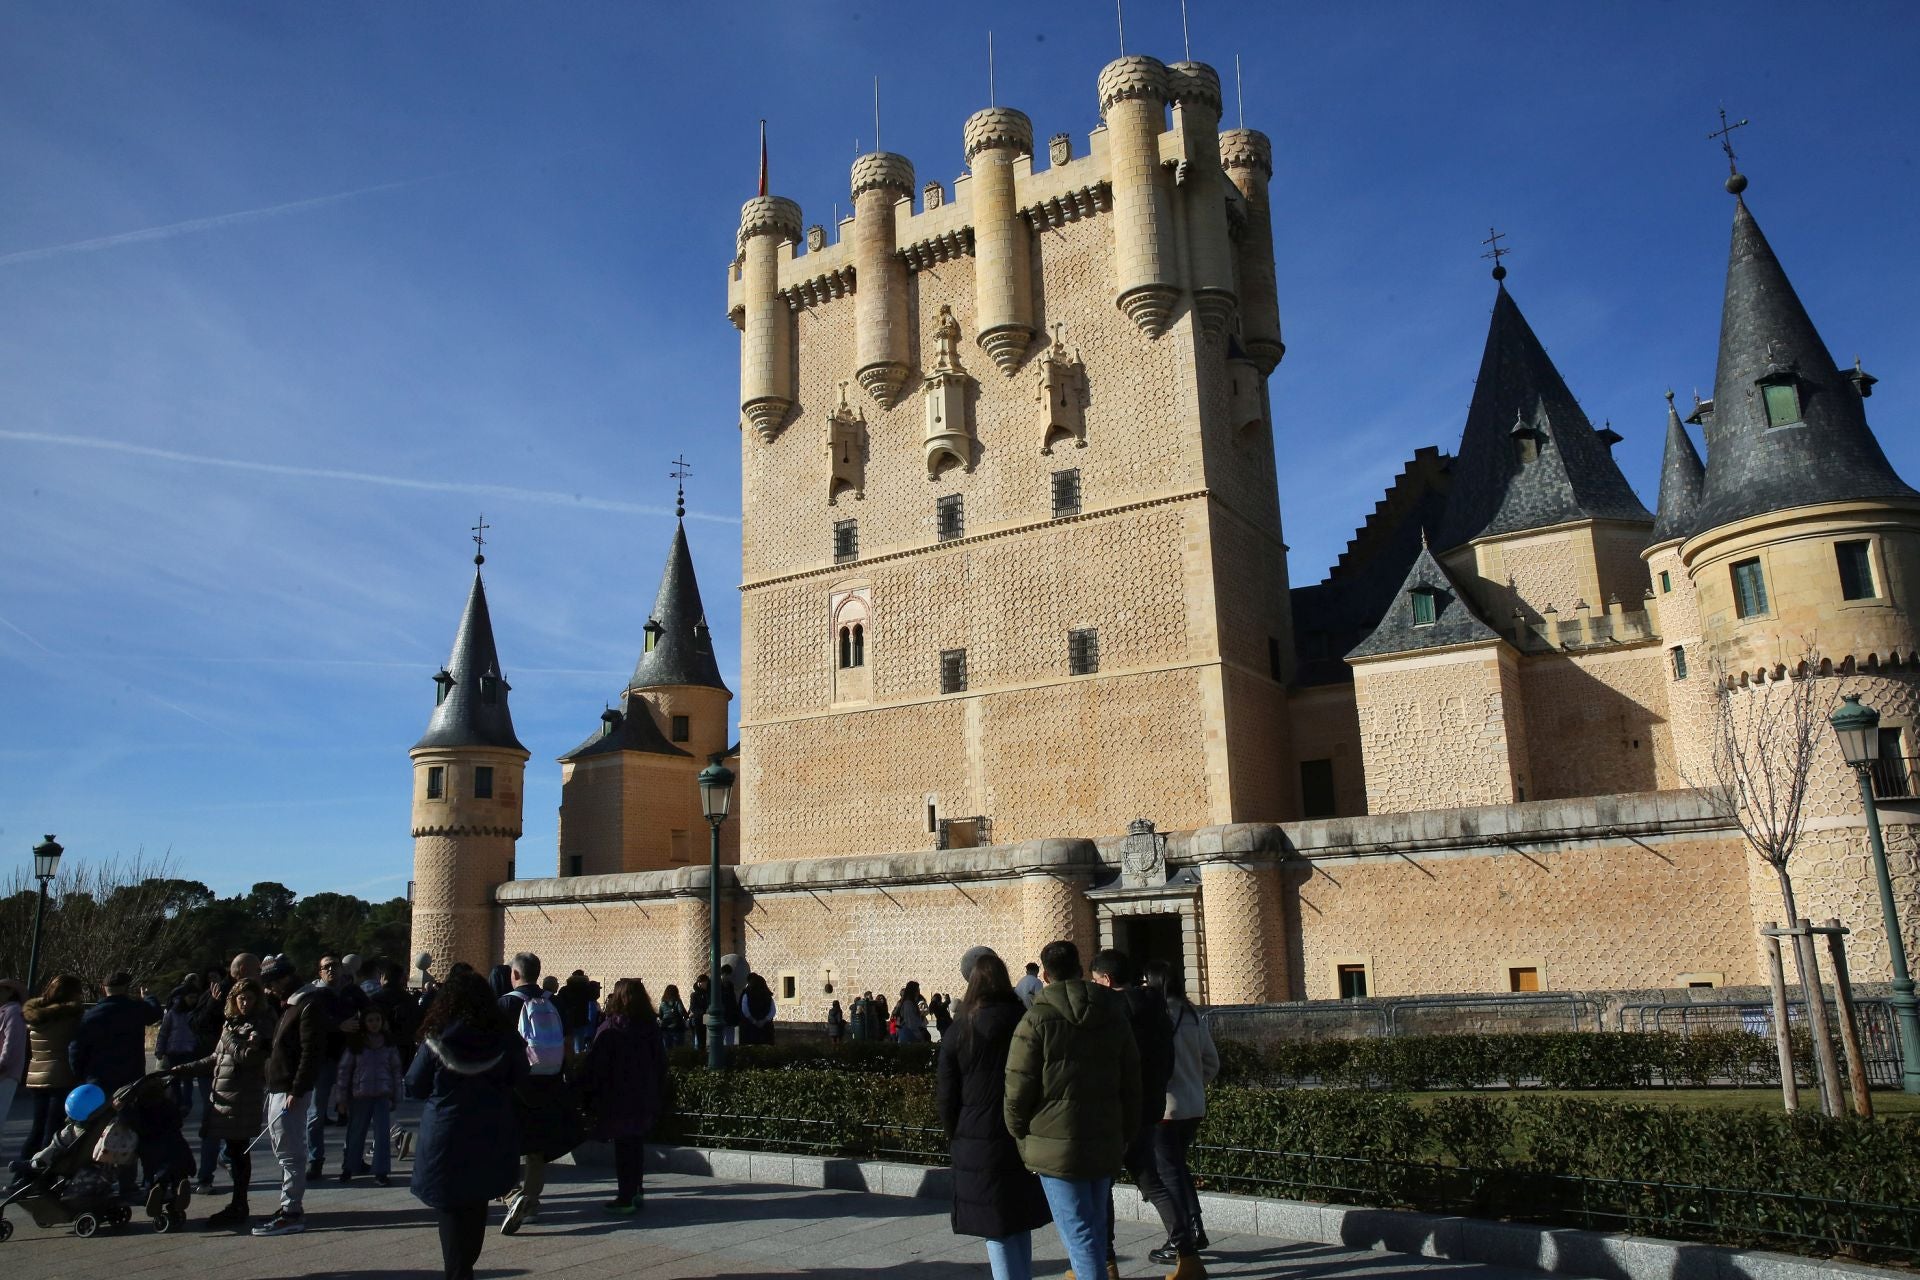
[546,1039]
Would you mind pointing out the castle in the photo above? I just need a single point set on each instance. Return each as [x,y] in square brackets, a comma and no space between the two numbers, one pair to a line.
[1020,659]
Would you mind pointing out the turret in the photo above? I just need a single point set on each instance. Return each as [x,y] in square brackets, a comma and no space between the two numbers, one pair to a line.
[880,181]
[1195,89]
[769,227]
[1681,478]
[1247,157]
[1133,100]
[1002,240]
[467,773]
[677,676]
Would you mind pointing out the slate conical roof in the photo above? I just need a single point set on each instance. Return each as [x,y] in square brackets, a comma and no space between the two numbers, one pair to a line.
[679,649]
[1572,476]
[1765,333]
[472,708]
[1681,479]
[1454,621]
[629,729]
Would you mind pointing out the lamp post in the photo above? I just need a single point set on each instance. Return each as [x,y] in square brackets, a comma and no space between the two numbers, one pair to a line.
[716,797]
[46,861]
[1858,728]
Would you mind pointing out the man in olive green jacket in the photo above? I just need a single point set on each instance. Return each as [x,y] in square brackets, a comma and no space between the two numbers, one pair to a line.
[1073,1099]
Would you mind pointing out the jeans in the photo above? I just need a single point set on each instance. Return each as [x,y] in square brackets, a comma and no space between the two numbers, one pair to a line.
[364,1115]
[317,1114]
[1080,1216]
[629,1162]
[1011,1257]
[462,1232]
[286,1113]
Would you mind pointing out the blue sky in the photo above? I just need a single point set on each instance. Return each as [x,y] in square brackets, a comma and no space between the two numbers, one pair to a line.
[290,293]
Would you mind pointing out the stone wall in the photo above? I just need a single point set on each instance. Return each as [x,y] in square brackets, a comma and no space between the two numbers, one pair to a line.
[1326,726]
[1596,722]
[1437,727]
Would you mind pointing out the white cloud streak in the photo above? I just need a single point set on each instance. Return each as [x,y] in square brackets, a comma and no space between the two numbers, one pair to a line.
[511,493]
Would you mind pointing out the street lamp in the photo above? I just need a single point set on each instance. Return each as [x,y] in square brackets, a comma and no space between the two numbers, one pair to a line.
[716,797]
[46,862]
[1859,730]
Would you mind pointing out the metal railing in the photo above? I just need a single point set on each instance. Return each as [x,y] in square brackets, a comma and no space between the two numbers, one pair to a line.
[1879,1034]
[1893,777]
[1409,1016]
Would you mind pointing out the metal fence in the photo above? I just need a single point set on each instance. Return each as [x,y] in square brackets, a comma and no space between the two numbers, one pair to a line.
[1412,1016]
[1879,1036]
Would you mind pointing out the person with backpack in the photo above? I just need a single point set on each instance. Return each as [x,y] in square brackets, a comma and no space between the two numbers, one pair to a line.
[540,1099]
[366,1089]
[673,1018]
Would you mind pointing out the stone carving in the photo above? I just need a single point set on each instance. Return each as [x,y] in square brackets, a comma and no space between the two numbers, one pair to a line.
[816,238]
[846,451]
[1062,394]
[1060,148]
[949,436]
[1143,856]
[932,196]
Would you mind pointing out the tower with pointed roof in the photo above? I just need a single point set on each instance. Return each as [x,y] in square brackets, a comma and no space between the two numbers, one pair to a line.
[628,798]
[468,769]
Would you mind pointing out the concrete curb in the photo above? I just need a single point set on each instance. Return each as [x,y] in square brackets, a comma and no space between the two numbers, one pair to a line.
[1593,1255]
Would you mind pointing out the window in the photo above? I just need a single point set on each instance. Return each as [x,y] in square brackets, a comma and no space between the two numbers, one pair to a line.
[951,517]
[1783,404]
[953,671]
[682,847]
[1273,656]
[789,986]
[483,782]
[1527,979]
[1856,571]
[1083,651]
[1666,581]
[1066,493]
[933,814]
[853,646]
[1316,789]
[1679,655]
[846,541]
[436,782]
[682,729]
[442,686]
[1749,589]
[490,690]
[510,872]
[1353,981]
[1891,777]
[1423,607]
[654,631]
[576,864]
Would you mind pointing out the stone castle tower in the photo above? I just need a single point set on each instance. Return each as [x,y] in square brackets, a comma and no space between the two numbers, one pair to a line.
[467,775]
[1013,564]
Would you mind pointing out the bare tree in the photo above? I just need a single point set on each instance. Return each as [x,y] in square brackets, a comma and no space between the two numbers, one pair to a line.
[101,916]
[1764,734]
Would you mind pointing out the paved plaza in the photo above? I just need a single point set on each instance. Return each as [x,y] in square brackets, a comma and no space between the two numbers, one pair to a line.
[693,1226]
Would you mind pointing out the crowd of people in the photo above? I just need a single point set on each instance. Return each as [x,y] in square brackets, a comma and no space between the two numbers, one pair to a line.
[1046,1086]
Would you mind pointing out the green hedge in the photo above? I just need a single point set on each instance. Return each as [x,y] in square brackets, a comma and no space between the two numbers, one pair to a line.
[1740,1178]
[1551,1060]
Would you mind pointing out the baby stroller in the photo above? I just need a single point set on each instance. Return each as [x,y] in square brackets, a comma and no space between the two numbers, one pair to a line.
[76,1178]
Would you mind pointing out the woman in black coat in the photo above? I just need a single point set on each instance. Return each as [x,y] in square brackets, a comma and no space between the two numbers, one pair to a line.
[994,1194]
[468,1151]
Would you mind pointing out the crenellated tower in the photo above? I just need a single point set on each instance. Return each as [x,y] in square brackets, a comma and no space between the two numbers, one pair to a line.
[1133,100]
[769,228]
[881,181]
[994,141]
[1194,88]
[1247,158]
[468,770]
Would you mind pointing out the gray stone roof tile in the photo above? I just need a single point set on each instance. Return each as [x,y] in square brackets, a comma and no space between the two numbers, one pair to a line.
[473,711]
[682,648]
[1454,621]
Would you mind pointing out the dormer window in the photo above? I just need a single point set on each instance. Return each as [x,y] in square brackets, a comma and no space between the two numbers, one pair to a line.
[1783,403]
[443,685]
[490,690]
[654,632]
[1425,609]
[1526,438]
[610,722]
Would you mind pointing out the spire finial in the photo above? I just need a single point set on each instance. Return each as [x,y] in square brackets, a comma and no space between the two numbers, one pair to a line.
[876,113]
[480,541]
[1239,91]
[1736,181]
[1186,44]
[679,473]
[1669,399]
[992,100]
[1120,20]
[1496,252]
[1423,537]
[763,157]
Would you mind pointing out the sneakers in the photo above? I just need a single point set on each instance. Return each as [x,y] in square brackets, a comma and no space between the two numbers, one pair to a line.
[234,1215]
[204,1187]
[282,1224]
[519,1213]
[624,1208]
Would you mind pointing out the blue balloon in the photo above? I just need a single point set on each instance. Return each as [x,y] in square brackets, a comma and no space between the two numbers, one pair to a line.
[84,1101]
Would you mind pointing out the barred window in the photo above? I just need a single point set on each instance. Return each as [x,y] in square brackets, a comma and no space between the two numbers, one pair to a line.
[1083,651]
[953,671]
[846,541]
[1066,493]
[951,517]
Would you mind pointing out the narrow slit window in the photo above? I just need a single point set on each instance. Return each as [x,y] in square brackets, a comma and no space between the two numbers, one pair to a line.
[1273,657]
[1856,571]
[1749,589]
[1666,581]
[846,647]
[1066,493]
[859,644]
[1679,655]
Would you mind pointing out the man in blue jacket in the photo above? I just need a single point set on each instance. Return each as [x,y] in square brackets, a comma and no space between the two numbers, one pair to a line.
[109,1047]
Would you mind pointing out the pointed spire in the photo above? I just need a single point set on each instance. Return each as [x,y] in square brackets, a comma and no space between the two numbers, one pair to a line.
[1442,619]
[679,648]
[1814,445]
[1681,479]
[471,701]
[1500,484]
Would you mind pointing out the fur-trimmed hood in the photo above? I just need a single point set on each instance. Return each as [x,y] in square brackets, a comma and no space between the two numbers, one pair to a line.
[468,1051]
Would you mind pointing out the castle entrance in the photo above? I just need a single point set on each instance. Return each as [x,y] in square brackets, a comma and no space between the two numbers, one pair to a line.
[1152,937]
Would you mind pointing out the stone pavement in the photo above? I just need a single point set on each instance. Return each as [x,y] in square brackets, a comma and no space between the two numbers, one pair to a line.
[692,1226]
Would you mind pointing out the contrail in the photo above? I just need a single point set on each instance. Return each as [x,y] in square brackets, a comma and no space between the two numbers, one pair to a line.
[30,640]
[549,497]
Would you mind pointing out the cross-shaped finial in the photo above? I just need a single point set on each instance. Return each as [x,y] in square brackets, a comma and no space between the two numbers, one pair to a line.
[679,472]
[1736,183]
[1496,252]
[480,540]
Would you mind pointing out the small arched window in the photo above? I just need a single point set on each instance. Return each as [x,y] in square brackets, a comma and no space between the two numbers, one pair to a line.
[859,645]
[846,647]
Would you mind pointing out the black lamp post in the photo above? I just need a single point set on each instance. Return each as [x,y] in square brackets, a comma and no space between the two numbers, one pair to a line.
[1859,730]
[46,862]
[716,797]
